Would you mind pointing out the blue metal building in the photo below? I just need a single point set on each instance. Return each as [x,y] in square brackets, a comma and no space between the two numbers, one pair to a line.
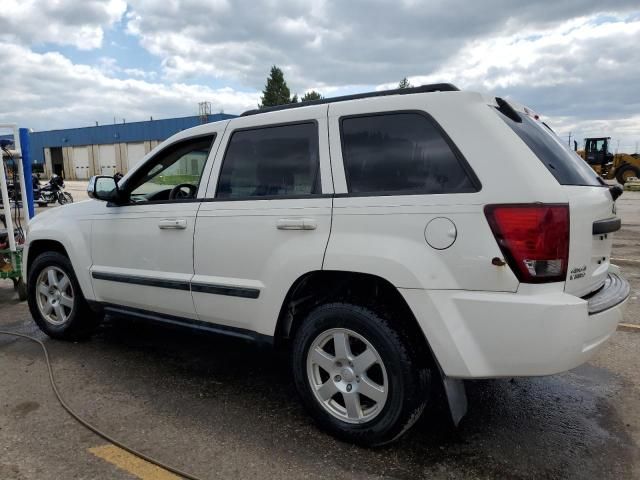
[78,153]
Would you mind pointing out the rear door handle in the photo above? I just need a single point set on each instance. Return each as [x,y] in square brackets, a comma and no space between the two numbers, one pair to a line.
[297,224]
[172,224]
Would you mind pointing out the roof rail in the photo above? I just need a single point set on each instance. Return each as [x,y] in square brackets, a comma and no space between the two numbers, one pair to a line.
[435,87]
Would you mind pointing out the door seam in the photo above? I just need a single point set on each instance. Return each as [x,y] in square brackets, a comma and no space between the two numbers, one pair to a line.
[333,188]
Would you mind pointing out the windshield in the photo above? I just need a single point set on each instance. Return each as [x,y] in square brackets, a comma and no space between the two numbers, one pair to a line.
[563,163]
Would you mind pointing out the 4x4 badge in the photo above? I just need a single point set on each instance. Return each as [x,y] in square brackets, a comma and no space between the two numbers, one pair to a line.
[578,272]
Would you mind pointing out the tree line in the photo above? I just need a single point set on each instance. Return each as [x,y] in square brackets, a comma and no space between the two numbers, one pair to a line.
[277,92]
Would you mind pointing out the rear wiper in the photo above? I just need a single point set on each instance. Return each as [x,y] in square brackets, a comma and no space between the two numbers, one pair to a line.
[550,129]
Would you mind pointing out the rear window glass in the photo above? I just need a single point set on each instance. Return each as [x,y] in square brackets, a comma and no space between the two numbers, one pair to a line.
[403,153]
[279,161]
[563,163]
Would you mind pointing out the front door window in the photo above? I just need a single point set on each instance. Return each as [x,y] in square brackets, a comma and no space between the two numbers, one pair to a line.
[172,174]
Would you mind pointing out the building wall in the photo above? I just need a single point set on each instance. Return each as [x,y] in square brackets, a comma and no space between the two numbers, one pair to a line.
[67,159]
[135,151]
[94,165]
[47,162]
[81,162]
[117,142]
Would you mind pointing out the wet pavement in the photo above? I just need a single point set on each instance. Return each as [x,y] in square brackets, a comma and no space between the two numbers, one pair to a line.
[221,408]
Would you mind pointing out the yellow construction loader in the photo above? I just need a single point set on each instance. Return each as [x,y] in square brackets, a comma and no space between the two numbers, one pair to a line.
[620,166]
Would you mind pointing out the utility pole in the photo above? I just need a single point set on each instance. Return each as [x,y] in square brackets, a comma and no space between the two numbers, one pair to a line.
[569,143]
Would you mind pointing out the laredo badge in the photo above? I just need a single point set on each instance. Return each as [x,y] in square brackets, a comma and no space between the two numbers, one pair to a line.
[578,272]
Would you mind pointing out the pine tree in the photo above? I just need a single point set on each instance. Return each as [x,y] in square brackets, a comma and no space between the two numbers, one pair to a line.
[311,95]
[276,91]
[404,83]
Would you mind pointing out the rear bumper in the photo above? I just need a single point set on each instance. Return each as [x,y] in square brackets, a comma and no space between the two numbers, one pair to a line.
[614,291]
[538,331]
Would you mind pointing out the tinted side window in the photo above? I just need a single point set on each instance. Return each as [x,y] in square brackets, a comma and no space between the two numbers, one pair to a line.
[402,153]
[564,164]
[272,161]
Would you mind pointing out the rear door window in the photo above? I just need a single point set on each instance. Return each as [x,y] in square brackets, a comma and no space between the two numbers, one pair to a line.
[278,161]
[401,153]
[563,163]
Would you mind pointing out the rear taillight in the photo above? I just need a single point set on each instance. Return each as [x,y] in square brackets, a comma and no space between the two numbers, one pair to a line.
[534,239]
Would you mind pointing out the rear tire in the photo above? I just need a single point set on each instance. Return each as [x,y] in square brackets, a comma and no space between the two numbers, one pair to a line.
[56,301]
[335,388]
[626,172]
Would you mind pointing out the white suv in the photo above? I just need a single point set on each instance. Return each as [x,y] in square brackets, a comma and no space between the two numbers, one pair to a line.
[391,240]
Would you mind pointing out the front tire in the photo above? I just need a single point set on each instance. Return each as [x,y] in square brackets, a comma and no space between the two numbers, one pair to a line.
[56,301]
[626,172]
[21,289]
[358,375]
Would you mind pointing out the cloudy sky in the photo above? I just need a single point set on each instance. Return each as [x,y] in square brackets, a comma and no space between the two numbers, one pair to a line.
[70,63]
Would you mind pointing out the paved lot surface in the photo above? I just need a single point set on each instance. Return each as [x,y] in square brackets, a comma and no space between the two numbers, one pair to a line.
[223,409]
[77,189]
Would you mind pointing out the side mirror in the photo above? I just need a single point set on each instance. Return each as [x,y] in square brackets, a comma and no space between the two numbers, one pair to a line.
[103,188]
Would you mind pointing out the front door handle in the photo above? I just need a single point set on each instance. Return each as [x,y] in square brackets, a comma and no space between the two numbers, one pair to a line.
[172,224]
[297,224]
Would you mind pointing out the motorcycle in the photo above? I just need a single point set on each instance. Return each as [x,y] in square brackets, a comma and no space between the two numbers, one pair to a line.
[51,192]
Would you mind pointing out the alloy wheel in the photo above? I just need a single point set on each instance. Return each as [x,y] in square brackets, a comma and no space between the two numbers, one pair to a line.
[54,295]
[347,375]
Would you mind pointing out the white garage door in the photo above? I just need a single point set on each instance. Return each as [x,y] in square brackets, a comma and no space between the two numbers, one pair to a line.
[81,162]
[135,152]
[107,156]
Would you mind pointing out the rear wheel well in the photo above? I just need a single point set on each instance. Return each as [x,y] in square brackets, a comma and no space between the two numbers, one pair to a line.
[38,247]
[370,291]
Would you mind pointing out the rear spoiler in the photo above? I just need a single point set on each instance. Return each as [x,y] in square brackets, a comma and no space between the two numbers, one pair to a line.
[515,114]
[507,110]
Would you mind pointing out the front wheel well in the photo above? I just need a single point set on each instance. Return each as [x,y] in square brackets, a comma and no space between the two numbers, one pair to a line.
[38,247]
[370,291]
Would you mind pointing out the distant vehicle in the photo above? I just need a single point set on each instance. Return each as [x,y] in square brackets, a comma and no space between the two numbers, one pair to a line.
[51,192]
[389,240]
[620,166]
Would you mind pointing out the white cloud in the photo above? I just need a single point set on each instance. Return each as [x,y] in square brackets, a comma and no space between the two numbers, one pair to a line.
[138,73]
[561,55]
[62,22]
[582,74]
[575,61]
[48,91]
[331,42]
